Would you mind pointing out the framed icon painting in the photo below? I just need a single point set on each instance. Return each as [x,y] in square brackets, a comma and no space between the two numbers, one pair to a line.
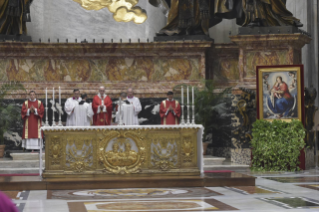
[280,92]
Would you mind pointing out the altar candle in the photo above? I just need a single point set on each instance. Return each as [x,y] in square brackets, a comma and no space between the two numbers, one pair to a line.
[182,95]
[53,96]
[46,97]
[193,95]
[59,95]
[187,95]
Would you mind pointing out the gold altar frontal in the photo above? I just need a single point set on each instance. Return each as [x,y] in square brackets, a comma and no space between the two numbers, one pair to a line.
[122,151]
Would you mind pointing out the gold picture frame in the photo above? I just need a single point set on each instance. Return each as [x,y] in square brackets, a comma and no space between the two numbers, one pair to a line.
[280,92]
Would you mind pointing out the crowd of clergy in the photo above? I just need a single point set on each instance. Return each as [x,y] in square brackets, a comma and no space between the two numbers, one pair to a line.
[98,113]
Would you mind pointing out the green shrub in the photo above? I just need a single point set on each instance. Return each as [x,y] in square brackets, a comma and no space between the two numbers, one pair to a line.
[277,145]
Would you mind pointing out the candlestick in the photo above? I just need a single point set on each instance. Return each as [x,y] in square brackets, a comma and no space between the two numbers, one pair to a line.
[193,95]
[182,106]
[188,117]
[193,106]
[53,110]
[59,95]
[46,124]
[120,112]
[187,95]
[46,96]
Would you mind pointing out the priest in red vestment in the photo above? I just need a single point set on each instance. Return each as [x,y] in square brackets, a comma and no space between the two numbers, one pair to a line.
[102,108]
[170,110]
[32,113]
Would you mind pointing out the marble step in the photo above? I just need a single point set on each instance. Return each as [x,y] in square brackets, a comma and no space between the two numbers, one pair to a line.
[20,164]
[232,167]
[19,170]
[26,156]
[211,160]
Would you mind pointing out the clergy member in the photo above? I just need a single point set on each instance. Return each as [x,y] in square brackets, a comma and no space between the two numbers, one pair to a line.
[137,107]
[170,110]
[32,113]
[102,108]
[83,112]
[125,111]
[69,106]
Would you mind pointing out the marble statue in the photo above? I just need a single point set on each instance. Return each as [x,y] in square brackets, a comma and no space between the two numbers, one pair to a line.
[13,16]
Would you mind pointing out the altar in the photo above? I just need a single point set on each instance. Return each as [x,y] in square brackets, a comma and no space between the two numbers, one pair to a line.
[123,151]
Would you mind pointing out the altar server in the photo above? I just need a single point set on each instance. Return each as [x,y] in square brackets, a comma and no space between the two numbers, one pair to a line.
[83,112]
[137,107]
[170,110]
[102,108]
[125,111]
[69,106]
[32,113]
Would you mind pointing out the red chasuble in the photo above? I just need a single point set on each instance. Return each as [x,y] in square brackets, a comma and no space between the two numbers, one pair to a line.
[102,118]
[170,118]
[32,123]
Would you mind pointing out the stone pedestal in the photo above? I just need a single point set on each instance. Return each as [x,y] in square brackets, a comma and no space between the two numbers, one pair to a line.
[274,49]
[150,68]
[257,50]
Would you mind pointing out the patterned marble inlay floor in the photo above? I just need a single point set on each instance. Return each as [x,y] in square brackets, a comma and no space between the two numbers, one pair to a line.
[130,193]
[314,186]
[293,202]
[247,190]
[150,205]
[294,179]
[17,195]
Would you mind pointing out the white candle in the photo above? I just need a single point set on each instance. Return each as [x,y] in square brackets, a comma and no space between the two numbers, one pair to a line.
[182,95]
[187,95]
[59,95]
[53,97]
[46,97]
[193,95]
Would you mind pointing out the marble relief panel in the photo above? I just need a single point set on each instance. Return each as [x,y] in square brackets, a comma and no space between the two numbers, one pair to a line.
[256,58]
[141,69]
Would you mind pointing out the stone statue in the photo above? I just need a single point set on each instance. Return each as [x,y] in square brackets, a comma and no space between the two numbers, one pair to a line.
[193,17]
[268,13]
[13,16]
[310,110]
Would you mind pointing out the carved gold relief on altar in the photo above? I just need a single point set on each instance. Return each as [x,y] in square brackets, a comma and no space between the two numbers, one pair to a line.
[119,152]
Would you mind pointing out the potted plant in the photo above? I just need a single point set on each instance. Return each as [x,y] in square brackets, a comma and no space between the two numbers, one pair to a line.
[208,106]
[9,114]
[276,145]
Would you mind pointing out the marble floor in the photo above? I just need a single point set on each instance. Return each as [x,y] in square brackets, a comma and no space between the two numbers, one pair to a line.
[277,192]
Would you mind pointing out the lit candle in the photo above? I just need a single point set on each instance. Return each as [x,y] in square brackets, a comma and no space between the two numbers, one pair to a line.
[59,95]
[46,97]
[187,95]
[193,95]
[182,95]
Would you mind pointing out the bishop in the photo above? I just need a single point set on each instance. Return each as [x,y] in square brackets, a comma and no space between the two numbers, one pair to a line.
[102,108]
[170,110]
[32,113]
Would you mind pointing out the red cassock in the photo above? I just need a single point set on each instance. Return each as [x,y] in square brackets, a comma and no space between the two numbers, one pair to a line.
[170,118]
[102,118]
[32,123]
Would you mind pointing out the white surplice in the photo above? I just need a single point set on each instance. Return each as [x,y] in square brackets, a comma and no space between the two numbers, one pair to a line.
[126,113]
[69,106]
[83,114]
[137,108]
